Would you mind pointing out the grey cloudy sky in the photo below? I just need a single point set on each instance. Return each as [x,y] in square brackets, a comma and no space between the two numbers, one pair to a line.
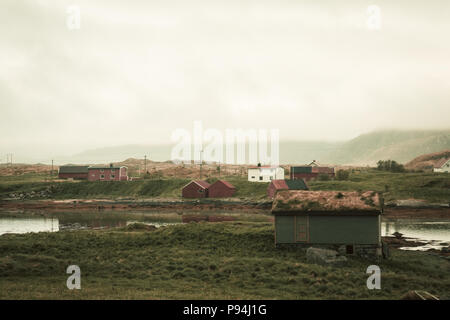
[137,70]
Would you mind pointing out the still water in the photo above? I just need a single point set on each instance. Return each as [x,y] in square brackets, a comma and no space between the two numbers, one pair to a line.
[54,224]
[434,233]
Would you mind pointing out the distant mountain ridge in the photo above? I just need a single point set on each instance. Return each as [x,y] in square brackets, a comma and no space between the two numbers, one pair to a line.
[365,149]
[399,145]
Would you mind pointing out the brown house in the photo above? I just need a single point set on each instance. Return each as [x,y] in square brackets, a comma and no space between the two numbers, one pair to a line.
[311,171]
[221,189]
[195,189]
[73,172]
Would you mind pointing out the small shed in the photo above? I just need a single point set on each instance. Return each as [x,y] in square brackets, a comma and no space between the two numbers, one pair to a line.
[195,189]
[347,221]
[73,172]
[277,185]
[221,189]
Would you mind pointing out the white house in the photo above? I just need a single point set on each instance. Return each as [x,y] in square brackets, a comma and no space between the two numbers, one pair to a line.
[442,165]
[265,173]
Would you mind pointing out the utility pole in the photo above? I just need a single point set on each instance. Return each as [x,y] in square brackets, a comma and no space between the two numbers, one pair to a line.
[145,164]
[8,159]
[201,163]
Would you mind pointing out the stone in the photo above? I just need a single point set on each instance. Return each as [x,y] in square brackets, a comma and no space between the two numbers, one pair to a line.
[324,257]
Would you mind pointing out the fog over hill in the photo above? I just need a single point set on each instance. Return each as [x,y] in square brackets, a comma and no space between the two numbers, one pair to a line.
[365,149]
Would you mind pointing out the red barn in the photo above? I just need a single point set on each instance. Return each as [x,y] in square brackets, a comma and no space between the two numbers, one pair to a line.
[221,189]
[310,172]
[195,189]
[73,172]
[276,185]
[111,173]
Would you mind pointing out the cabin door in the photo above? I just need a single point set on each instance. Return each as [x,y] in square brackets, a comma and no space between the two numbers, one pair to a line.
[301,229]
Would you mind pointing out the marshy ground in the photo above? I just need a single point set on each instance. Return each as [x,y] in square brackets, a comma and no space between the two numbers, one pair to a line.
[226,260]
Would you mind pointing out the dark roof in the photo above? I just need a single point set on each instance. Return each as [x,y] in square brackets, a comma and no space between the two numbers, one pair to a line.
[229,185]
[298,184]
[73,169]
[105,167]
[326,201]
[302,169]
[280,184]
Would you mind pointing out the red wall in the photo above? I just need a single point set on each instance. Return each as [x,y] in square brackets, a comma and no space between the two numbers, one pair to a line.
[309,176]
[219,190]
[306,176]
[119,174]
[271,190]
[192,190]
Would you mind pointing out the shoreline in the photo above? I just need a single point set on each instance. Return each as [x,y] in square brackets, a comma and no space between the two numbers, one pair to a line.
[399,212]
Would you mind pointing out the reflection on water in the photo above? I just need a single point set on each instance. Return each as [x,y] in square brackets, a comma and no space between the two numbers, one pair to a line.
[24,225]
[52,224]
[436,234]
[156,224]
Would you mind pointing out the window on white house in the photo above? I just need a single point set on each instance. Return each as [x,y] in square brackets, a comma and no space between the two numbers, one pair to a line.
[253,177]
[260,178]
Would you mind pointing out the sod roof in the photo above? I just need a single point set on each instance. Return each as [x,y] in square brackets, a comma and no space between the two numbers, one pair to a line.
[325,201]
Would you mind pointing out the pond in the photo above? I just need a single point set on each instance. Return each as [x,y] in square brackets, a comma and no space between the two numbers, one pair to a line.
[31,222]
[434,233]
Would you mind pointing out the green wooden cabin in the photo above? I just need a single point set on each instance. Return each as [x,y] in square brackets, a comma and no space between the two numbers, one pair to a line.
[349,220]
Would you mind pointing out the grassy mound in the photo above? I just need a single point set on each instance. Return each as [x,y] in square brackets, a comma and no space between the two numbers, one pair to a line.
[229,260]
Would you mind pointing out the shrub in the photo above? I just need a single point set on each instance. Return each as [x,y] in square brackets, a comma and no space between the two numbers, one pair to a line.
[342,174]
[323,177]
[390,165]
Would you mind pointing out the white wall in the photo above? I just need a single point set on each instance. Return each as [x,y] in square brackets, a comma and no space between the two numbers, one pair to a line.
[267,174]
[444,168]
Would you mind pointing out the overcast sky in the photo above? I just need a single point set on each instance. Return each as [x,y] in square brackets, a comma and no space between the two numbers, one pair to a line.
[137,70]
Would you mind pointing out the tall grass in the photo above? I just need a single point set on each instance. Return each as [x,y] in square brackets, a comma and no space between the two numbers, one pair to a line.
[232,260]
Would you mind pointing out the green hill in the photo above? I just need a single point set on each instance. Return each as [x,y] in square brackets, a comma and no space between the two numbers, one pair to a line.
[398,145]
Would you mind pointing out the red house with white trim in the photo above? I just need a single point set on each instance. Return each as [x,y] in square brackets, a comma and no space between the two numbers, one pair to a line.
[111,173]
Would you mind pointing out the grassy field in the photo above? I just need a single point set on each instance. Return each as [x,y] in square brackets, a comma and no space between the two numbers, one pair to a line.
[162,188]
[231,260]
[431,187]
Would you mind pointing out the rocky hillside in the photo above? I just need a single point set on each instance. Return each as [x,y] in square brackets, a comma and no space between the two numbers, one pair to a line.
[427,161]
[401,146]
